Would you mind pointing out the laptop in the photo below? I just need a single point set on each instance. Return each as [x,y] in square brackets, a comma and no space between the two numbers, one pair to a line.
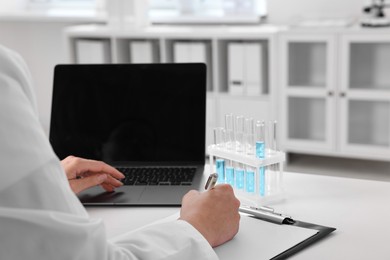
[147,120]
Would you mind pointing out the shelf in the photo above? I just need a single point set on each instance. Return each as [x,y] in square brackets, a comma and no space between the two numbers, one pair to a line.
[54,15]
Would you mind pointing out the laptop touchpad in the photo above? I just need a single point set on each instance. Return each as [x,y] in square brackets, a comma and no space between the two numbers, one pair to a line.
[163,195]
[121,195]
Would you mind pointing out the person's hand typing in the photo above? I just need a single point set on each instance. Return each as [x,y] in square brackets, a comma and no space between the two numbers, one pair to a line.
[83,174]
[213,213]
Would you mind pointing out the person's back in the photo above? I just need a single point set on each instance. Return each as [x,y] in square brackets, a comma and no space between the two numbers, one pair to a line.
[40,216]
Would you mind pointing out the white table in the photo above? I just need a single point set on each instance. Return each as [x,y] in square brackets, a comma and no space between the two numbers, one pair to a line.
[359,209]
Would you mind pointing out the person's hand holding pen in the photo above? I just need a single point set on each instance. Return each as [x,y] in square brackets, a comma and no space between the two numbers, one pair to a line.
[213,213]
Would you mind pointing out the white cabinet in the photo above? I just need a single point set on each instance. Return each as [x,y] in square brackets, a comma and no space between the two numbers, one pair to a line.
[308,86]
[365,95]
[167,44]
[336,93]
[329,88]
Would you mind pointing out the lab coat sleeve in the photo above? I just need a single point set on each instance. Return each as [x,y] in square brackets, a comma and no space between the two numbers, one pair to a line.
[41,219]
[43,235]
[171,240]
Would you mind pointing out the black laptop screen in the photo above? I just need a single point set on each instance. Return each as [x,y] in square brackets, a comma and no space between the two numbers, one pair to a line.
[129,112]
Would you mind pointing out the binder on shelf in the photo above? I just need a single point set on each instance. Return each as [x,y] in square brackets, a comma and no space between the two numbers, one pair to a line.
[143,52]
[93,51]
[236,81]
[246,68]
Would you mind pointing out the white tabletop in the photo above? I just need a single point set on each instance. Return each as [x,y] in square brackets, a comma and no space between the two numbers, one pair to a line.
[359,209]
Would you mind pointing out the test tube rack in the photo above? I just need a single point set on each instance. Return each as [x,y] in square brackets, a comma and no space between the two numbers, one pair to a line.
[268,184]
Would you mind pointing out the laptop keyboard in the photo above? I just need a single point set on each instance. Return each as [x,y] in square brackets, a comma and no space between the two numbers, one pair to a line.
[158,175]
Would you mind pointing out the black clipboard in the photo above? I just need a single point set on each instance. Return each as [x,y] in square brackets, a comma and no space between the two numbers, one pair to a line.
[323,231]
[269,215]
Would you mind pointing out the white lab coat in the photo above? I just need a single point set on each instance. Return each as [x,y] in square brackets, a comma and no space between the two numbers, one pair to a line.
[40,217]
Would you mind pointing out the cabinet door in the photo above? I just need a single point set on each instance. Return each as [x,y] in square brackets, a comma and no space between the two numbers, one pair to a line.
[365,96]
[307,87]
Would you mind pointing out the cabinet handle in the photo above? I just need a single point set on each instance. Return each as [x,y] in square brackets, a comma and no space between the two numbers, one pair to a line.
[342,94]
[330,93]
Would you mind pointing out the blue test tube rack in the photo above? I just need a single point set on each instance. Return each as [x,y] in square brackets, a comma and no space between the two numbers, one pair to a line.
[260,184]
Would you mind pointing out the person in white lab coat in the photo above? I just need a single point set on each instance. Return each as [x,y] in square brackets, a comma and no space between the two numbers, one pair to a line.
[40,216]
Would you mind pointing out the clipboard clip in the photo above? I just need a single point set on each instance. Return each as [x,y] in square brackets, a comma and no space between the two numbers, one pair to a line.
[267,214]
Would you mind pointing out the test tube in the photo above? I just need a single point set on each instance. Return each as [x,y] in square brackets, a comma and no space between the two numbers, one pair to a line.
[275,134]
[229,173]
[249,136]
[219,141]
[260,153]
[219,137]
[240,176]
[239,133]
[220,167]
[250,180]
[273,173]
[260,139]
[271,140]
[229,131]
[240,148]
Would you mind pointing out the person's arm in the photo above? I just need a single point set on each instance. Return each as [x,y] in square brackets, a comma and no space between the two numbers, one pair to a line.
[50,223]
[214,214]
[207,219]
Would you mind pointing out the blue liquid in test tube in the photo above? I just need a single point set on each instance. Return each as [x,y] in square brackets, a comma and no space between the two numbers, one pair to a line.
[229,175]
[240,178]
[250,181]
[220,165]
[260,149]
[260,153]
[262,181]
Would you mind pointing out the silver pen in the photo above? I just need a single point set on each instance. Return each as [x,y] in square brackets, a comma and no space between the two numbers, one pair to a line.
[211,181]
[264,208]
[267,215]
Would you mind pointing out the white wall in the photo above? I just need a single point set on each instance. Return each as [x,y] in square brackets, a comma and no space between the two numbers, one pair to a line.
[10,5]
[285,11]
[42,46]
